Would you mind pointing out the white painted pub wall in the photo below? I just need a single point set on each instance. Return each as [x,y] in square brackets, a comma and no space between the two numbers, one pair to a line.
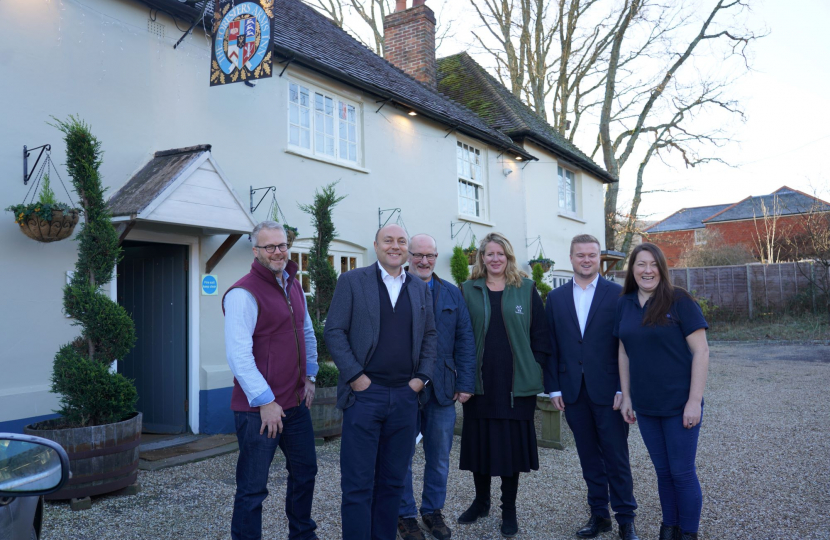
[96,59]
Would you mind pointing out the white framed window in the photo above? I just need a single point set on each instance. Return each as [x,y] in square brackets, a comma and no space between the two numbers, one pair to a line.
[567,190]
[342,262]
[323,123]
[557,280]
[700,237]
[471,182]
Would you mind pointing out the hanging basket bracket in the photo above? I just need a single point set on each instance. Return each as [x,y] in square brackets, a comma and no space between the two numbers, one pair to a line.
[27,175]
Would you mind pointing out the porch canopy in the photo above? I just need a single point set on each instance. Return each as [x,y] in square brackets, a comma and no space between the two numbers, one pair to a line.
[183,188]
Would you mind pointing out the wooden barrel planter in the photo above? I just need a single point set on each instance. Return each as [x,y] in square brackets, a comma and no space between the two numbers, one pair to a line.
[59,228]
[326,418]
[102,459]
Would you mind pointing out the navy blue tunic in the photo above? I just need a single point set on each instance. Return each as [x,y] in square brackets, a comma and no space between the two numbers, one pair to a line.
[659,359]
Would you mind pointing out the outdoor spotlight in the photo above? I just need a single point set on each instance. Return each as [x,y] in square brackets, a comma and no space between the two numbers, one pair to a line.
[412,113]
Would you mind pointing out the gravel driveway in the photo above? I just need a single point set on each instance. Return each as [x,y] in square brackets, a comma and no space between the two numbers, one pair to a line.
[764,463]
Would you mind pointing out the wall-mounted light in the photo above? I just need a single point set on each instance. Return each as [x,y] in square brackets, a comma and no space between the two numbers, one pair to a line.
[518,158]
[412,113]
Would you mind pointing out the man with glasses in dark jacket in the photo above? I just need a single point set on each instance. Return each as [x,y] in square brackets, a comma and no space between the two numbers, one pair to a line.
[453,379]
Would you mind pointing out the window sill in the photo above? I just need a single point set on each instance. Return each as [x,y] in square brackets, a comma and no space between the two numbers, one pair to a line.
[330,161]
[473,219]
[571,217]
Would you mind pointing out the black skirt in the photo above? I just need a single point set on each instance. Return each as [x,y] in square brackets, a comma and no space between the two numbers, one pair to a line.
[498,447]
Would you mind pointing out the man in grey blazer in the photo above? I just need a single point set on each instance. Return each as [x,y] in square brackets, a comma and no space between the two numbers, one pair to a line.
[380,332]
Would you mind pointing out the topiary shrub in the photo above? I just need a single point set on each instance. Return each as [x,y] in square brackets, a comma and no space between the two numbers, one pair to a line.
[459,268]
[91,394]
[327,376]
[541,286]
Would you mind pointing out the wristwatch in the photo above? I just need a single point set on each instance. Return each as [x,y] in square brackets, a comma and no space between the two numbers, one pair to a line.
[312,378]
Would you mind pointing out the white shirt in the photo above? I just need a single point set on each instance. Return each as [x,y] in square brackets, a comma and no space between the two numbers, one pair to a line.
[393,284]
[582,301]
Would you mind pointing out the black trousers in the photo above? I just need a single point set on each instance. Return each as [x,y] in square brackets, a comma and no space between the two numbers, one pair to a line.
[601,437]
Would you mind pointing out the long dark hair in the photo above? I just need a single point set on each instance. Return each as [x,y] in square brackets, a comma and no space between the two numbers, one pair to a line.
[661,301]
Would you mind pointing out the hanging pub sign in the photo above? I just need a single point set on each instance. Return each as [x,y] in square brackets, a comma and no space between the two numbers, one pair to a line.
[242,41]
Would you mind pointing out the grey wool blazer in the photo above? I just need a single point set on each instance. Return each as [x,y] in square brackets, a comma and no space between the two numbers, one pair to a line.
[353,326]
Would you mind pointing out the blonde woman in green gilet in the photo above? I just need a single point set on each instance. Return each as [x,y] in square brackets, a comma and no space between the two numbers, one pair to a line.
[512,344]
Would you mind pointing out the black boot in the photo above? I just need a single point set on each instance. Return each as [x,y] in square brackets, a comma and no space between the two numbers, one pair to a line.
[688,536]
[481,504]
[595,525]
[669,532]
[628,531]
[509,523]
[479,509]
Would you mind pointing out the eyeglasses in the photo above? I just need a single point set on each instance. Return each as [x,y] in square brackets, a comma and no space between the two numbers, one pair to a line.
[270,248]
[428,256]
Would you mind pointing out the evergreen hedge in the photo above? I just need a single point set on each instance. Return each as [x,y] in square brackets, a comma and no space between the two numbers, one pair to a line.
[90,394]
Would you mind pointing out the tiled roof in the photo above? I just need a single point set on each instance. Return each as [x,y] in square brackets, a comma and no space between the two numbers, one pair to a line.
[152,179]
[784,202]
[687,218]
[464,80]
[309,38]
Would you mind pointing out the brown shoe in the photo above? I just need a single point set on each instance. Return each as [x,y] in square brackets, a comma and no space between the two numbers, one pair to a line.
[408,529]
[436,525]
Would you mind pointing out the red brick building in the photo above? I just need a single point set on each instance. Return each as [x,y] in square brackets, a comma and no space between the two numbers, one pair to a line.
[740,223]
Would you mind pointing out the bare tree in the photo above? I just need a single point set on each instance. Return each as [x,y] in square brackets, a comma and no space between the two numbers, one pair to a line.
[768,238]
[811,241]
[370,15]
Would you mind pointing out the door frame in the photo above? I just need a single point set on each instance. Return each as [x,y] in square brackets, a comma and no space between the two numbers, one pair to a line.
[193,279]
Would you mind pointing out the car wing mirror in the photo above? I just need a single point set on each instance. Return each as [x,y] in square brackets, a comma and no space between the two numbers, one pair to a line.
[31,466]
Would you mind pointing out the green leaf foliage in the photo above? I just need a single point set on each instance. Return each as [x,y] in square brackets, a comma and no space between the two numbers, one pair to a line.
[90,394]
[541,286]
[458,265]
[320,271]
[47,195]
[327,376]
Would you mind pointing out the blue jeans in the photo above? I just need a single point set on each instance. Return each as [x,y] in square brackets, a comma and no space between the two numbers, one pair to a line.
[374,451]
[436,423]
[672,449]
[255,455]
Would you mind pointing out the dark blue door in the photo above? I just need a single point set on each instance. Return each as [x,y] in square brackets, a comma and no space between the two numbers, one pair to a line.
[152,287]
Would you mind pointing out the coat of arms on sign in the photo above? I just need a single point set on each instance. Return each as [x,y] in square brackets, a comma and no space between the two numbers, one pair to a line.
[242,41]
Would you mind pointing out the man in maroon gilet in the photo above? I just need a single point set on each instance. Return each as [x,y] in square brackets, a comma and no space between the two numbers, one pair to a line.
[272,352]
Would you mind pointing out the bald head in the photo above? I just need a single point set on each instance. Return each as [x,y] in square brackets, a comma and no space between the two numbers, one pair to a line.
[391,247]
[423,256]
[422,243]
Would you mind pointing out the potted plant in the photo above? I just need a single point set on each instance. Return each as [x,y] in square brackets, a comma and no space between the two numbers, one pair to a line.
[326,418]
[471,251]
[45,220]
[98,425]
[542,261]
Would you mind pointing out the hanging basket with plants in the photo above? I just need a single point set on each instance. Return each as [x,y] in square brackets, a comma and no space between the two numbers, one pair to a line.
[544,262]
[275,212]
[45,219]
[471,251]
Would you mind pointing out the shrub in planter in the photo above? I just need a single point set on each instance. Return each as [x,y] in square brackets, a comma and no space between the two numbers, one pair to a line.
[290,233]
[471,251]
[90,394]
[544,262]
[541,286]
[327,376]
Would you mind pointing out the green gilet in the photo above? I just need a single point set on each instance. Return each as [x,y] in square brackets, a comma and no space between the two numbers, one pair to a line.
[517,311]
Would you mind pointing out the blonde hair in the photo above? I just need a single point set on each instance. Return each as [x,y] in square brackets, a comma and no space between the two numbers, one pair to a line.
[512,275]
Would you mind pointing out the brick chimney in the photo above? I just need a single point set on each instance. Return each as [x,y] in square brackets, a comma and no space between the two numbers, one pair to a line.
[409,40]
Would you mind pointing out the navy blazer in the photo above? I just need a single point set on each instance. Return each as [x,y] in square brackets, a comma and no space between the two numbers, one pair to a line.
[594,354]
[353,326]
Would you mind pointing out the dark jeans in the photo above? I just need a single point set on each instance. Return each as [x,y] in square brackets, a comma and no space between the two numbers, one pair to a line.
[255,455]
[601,437]
[672,449]
[374,453]
[436,423]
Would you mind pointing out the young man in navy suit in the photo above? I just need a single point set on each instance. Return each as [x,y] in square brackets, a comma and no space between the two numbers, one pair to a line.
[583,380]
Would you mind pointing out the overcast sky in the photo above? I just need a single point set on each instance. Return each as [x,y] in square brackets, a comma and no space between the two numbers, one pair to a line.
[786,138]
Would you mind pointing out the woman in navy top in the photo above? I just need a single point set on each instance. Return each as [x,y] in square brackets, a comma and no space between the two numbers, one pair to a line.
[664,359]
